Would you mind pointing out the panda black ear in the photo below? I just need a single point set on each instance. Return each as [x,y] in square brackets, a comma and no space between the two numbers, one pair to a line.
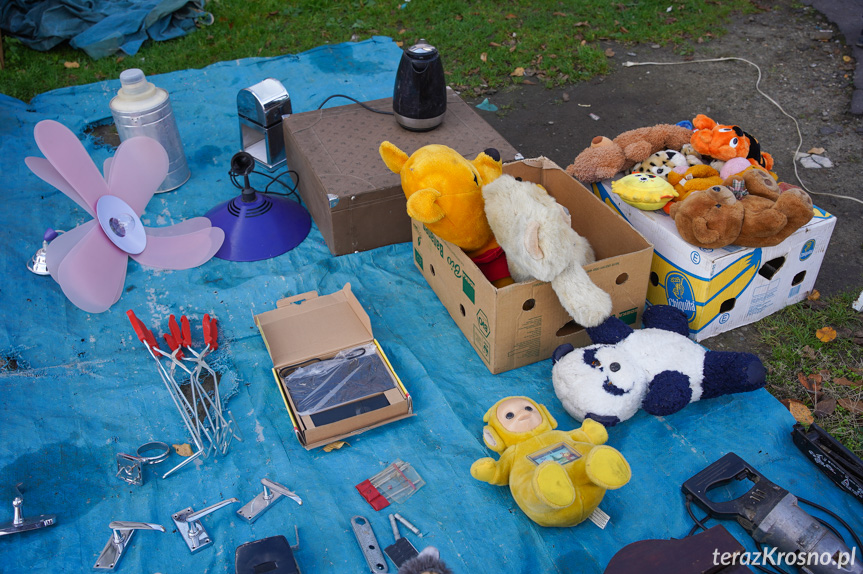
[560,352]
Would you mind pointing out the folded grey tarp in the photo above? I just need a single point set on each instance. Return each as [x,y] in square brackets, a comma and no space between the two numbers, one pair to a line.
[99,27]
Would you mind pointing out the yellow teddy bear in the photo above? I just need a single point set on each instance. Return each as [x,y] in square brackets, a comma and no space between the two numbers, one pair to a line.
[444,192]
[557,478]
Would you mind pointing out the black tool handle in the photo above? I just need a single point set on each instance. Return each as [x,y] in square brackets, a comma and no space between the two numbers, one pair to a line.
[750,508]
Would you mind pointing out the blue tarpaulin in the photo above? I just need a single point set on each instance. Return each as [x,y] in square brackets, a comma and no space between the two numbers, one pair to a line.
[99,27]
[77,388]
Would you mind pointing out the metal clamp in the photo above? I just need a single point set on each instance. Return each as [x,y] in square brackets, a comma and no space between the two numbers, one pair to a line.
[273,491]
[130,466]
[21,524]
[189,525]
[120,539]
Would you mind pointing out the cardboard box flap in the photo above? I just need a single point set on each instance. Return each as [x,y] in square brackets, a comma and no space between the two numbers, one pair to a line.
[306,326]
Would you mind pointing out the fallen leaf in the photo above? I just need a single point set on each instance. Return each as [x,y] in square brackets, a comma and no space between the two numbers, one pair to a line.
[483,57]
[528,82]
[816,150]
[558,14]
[564,96]
[335,445]
[811,383]
[814,295]
[847,382]
[609,53]
[72,64]
[495,44]
[855,407]
[584,42]
[846,58]
[511,16]
[512,49]
[518,72]
[826,334]
[799,411]
[183,449]
[825,408]
[807,352]
[580,24]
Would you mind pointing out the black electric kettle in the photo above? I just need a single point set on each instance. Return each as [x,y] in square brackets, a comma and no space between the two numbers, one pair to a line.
[419,97]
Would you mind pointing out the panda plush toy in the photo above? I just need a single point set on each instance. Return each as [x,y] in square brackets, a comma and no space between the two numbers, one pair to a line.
[657,368]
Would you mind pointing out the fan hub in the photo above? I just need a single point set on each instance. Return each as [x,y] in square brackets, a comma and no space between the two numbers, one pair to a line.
[121,224]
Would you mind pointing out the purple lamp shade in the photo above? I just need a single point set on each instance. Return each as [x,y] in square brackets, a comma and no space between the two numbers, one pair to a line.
[263,228]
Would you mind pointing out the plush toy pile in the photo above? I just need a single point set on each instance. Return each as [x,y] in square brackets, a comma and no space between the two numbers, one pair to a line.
[720,190]
[512,230]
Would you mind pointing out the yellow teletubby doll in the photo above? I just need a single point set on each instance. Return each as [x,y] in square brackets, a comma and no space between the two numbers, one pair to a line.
[557,478]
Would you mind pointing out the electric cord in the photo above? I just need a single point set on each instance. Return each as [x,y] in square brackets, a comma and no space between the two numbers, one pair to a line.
[291,190]
[774,102]
[357,102]
[835,516]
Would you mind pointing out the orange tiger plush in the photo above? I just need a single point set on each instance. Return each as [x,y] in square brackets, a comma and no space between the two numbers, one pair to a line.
[724,142]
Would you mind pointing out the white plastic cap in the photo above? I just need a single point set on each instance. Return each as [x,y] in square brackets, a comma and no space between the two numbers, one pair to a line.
[133,81]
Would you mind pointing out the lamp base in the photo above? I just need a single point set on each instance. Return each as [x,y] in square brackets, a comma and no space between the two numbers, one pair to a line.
[260,229]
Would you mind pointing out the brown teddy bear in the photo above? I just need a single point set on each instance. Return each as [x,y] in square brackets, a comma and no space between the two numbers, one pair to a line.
[605,158]
[765,216]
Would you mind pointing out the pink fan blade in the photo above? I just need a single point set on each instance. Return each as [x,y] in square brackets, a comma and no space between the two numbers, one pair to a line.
[71,161]
[93,272]
[181,251]
[62,244]
[138,168]
[182,228]
[49,174]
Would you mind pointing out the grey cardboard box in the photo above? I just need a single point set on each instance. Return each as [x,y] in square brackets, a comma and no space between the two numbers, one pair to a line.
[355,200]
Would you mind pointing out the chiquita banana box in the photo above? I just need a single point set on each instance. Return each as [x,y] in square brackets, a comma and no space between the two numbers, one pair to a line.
[720,289]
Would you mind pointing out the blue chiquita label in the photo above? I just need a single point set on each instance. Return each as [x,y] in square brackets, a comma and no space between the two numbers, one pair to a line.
[808,250]
[678,291]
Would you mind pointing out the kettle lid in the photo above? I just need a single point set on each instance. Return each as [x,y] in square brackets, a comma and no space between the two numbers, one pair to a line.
[422,50]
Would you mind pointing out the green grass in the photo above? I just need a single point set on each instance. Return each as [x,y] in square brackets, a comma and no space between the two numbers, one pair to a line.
[793,348]
[482,42]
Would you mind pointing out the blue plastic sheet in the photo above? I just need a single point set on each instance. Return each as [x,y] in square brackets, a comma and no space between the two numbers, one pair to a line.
[78,388]
[99,27]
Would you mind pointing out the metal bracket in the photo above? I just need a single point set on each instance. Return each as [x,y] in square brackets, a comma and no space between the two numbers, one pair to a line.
[189,525]
[130,467]
[120,539]
[369,544]
[21,524]
[273,492]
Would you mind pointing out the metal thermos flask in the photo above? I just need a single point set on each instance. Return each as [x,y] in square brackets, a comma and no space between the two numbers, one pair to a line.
[142,109]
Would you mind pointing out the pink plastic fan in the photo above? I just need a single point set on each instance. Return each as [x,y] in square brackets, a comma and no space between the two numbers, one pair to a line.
[89,262]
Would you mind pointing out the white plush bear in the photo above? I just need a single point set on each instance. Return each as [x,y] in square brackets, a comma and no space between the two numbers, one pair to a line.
[536,234]
[657,368]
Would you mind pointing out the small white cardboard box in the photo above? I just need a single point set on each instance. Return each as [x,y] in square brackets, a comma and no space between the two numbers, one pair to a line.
[720,289]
